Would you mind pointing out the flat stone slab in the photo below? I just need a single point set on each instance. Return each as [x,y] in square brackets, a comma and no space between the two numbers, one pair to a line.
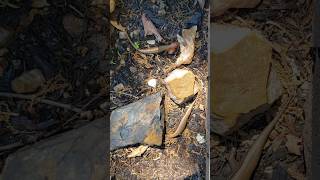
[79,154]
[137,123]
[244,82]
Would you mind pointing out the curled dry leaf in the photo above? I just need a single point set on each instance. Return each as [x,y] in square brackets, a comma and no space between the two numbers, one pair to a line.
[220,6]
[138,151]
[112,5]
[186,46]
[117,25]
[150,29]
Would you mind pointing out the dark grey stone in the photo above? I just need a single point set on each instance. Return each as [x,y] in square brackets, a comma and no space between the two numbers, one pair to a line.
[79,154]
[137,123]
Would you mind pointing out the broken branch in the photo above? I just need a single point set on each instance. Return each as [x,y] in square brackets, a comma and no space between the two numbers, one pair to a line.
[45,101]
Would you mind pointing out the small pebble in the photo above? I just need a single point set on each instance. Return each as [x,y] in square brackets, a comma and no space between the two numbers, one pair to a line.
[152,83]
[151,42]
[201,107]
[200,139]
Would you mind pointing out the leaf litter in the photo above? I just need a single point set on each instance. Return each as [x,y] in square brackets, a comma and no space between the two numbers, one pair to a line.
[294,65]
[168,19]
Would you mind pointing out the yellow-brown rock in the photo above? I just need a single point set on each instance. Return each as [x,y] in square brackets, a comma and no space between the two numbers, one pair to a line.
[181,85]
[240,67]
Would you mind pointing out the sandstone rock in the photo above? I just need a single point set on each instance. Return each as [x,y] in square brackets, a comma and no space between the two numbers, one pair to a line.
[181,85]
[78,154]
[218,7]
[73,25]
[140,122]
[244,82]
[28,82]
[5,36]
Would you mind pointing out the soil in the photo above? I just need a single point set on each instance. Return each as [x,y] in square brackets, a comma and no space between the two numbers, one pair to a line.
[182,157]
[287,25]
[73,67]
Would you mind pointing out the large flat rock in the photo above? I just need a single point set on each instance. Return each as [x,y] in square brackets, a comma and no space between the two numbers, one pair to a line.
[244,82]
[79,154]
[137,123]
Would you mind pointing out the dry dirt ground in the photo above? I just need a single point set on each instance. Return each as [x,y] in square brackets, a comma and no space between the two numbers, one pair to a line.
[181,157]
[287,25]
[71,57]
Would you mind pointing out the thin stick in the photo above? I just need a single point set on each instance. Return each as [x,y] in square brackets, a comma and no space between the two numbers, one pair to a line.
[44,101]
[183,122]
[251,160]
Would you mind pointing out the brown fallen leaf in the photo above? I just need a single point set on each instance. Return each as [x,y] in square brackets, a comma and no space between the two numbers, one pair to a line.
[112,5]
[293,144]
[117,25]
[138,151]
[171,48]
[150,29]
[186,46]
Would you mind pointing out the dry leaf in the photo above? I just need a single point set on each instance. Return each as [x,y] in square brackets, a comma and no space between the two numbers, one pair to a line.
[118,26]
[293,144]
[149,28]
[138,151]
[186,46]
[112,5]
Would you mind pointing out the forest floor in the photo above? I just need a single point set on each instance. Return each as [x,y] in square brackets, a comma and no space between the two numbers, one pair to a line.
[67,43]
[287,25]
[184,156]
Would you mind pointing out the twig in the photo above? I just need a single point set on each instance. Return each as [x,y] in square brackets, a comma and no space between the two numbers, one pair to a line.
[45,101]
[76,10]
[82,108]
[123,93]
[183,122]
[252,158]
